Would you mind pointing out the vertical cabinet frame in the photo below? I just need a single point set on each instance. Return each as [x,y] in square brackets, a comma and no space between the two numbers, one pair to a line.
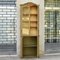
[31,38]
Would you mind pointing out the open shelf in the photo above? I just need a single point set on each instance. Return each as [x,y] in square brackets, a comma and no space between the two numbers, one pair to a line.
[30,51]
[33,18]
[29,28]
[26,10]
[25,18]
[25,24]
[33,24]
[29,41]
[33,10]
[25,31]
[33,31]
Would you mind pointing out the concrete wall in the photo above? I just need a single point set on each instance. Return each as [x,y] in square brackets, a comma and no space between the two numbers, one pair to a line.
[41,25]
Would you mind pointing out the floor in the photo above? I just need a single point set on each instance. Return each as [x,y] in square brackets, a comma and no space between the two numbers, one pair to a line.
[54,57]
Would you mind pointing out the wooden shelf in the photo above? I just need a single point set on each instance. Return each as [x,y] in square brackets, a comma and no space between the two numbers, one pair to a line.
[29,56]
[30,46]
[26,10]
[33,10]
[33,24]
[25,18]
[25,24]
[29,28]
[33,18]
[33,31]
[25,31]
[30,41]
[33,14]
[25,14]
[30,51]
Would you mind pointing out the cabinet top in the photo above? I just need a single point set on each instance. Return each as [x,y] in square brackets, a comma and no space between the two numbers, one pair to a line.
[29,4]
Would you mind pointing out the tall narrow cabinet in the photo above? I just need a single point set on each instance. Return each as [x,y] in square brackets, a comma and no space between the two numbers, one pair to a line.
[29,29]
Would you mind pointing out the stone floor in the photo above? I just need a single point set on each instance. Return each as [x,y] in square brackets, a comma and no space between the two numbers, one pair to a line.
[54,57]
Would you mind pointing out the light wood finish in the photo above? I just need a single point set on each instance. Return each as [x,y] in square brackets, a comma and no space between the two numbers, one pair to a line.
[33,18]
[29,30]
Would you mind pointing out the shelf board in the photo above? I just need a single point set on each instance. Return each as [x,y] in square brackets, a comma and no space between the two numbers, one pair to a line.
[33,46]
[25,14]
[25,35]
[33,14]
[25,27]
[30,35]
[29,56]
[30,14]
[33,21]
[33,26]
[30,47]
[25,21]
[33,35]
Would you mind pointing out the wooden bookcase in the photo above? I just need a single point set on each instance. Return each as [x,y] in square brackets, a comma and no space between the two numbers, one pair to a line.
[29,29]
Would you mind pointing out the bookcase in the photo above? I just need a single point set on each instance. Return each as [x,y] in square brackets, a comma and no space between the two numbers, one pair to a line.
[29,29]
